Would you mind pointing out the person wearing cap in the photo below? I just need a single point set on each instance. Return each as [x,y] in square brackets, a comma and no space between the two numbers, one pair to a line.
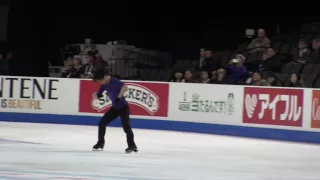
[120,108]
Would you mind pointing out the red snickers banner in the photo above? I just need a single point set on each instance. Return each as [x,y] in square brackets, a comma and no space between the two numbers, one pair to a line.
[144,98]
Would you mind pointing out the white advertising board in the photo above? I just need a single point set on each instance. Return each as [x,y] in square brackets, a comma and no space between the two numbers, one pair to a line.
[39,95]
[206,103]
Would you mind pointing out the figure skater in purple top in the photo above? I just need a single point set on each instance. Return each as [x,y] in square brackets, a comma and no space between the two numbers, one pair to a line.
[120,108]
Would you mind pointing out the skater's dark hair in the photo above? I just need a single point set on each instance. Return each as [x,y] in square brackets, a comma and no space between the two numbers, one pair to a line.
[99,74]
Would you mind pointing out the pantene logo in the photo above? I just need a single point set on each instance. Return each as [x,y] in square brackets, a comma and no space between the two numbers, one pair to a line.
[136,95]
[315,109]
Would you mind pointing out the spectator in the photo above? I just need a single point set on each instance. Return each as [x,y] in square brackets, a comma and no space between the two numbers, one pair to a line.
[237,72]
[204,77]
[88,68]
[269,53]
[295,81]
[68,70]
[315,55]
[99,62]
[69,59]
[213,76]
[77,64]
[257,80]
[202,57]
[260,43]
[270,61]
[273,80]
[302,55]
[209,63]
[188,77]
[220,77]
[177,77]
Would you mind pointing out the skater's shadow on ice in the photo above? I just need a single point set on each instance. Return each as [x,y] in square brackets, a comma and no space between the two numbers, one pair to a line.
[10,141]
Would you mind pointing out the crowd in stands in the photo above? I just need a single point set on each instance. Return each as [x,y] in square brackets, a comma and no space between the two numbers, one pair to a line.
[259,64]
[262,62]
[73,67]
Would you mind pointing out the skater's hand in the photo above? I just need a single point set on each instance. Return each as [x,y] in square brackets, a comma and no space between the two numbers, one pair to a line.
[97,97]
[117,101]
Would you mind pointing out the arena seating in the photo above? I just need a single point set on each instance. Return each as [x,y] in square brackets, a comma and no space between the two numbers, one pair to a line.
[284,45]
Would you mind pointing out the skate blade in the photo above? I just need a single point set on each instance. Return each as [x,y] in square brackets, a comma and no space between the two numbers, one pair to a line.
[97,149]
[130,152]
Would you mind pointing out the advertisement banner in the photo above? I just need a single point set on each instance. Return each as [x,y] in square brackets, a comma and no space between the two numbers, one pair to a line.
[206,103]
[273,106]
[38,95]
[315,109]
[144,98]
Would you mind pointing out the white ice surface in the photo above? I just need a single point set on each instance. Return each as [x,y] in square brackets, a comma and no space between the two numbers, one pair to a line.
[46,151]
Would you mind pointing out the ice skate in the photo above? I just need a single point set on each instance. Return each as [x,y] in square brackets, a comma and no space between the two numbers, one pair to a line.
[132,149]
[99,146]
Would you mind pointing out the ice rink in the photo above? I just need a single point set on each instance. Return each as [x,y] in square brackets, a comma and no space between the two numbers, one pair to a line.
[46,151]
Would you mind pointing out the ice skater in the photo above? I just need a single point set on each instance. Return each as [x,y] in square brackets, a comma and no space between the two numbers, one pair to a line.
[120,108]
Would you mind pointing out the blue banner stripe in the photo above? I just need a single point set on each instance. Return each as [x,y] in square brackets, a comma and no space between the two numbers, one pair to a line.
[252,132]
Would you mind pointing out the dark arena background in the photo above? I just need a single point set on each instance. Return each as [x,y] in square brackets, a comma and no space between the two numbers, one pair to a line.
[36,32]
[210,96]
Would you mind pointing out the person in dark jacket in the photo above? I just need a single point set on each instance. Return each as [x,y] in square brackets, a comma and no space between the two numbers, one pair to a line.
[302,55]
[205,77]
[221,77]
[68,70]
[257,80]
[271,61]
[77,64]
[87,69]
[315,54]
[177,77]
[100,62]
[188,77]
[295,81]
[209,63]
[273,80]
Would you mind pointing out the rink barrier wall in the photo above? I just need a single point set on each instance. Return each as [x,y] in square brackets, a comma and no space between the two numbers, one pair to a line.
[258,112]
[219,129]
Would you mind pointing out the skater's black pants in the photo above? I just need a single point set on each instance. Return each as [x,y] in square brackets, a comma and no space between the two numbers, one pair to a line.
[111,115]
